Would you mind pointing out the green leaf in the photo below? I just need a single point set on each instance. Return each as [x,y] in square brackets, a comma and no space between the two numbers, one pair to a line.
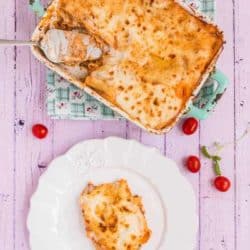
[217,169]
[204,151]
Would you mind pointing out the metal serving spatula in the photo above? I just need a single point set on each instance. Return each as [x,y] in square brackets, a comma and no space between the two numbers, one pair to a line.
[4,42]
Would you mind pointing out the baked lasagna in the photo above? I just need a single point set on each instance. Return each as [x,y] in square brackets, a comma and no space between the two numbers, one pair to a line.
[156,55]
[114,217]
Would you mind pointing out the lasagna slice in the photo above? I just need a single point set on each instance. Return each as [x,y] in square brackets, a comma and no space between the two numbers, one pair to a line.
[114,217]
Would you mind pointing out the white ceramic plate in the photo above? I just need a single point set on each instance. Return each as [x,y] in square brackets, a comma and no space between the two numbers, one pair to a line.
[55,222]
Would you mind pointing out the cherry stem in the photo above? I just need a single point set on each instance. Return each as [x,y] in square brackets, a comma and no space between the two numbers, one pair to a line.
[217,169]
[204,151]
[215,159]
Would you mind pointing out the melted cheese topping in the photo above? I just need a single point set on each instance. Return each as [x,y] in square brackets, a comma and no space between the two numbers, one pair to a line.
[71,47]
[158,53]
[114,218]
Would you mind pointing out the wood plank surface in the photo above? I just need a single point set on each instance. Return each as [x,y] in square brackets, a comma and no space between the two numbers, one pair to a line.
[7,135]
[30,153]
[242,121]
[217,228]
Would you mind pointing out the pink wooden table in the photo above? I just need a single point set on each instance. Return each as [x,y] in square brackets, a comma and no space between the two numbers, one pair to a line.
[224,217]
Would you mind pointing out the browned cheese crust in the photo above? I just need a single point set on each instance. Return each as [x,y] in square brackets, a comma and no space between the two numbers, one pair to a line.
[114,218]
[158,53]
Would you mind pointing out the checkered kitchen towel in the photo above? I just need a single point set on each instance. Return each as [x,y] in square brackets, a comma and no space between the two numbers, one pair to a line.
[65,101]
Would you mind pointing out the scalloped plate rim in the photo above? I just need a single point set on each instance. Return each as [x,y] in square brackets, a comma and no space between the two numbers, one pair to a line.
[153,150]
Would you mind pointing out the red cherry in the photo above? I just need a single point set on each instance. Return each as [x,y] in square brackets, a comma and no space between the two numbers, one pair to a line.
[222,183]
[189,126]
[39,131]
[193,164]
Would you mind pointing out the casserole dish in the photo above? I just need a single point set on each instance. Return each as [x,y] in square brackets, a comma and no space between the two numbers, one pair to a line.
[157,55]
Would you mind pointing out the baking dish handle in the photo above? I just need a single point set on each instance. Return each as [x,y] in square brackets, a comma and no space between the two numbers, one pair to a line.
[202,113]
[37,7]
